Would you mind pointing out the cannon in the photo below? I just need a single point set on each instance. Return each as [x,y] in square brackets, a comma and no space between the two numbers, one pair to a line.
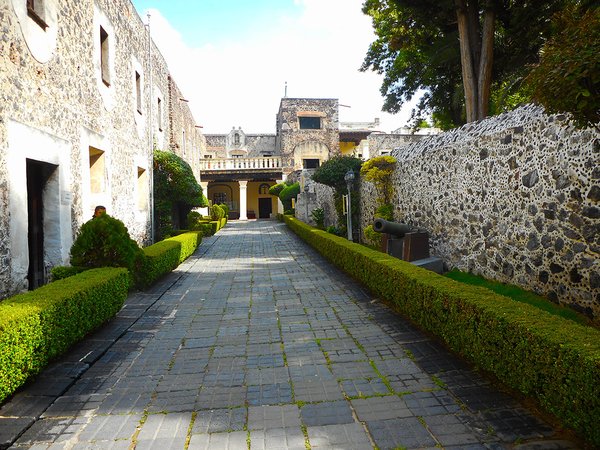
[403,241]
[397,229]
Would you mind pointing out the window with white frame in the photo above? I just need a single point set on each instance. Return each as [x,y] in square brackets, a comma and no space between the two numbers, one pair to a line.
[104,56]
[37,11]
[138,92]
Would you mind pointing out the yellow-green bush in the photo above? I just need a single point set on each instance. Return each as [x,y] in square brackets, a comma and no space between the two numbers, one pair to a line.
[546,357]
[42,324]
[189,242]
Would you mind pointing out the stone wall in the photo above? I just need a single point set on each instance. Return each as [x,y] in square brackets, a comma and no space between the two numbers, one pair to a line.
[381,143]
[514,197]
[250,145]
[313,195]
[61,106]
[295,144]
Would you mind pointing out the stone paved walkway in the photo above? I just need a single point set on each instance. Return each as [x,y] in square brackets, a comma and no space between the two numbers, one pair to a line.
[257,342]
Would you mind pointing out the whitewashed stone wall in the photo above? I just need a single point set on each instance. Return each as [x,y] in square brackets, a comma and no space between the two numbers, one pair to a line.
[312,196]
[54,107]
[514,198]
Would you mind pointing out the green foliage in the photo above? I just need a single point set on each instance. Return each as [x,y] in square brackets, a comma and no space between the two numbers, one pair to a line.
[61,272]
[334,230]
[372,236]
[225,209]
[333,171]
[216,212]
[174,186]
[318,215]
[417,49]
[290,212]
[164,256]
[379,171]
[553,360]
[193,218]
[105,242]
[276,189]
[288,193]
[40,325]
[385,211]
[188,242]
[161,258]
[567,78]
[517,294]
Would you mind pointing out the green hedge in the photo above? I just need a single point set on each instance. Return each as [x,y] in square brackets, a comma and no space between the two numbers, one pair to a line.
[40,325]
[189,243]
[546,357]
[161,258]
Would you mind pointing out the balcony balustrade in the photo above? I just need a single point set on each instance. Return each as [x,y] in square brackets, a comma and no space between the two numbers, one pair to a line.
[240,164]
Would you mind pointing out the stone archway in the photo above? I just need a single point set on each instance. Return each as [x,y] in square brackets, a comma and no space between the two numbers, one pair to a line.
[310,154]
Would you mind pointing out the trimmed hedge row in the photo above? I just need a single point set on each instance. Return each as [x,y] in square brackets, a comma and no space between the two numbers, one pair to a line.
[188,242]
[164,256]
[546,357]
[40,325]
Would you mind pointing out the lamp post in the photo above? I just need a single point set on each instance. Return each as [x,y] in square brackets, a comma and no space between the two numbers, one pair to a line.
[349,177]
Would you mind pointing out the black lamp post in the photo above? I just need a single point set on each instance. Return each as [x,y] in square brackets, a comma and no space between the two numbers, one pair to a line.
[349,177]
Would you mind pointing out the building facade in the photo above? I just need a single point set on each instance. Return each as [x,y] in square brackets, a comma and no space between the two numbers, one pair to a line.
[239,168]
[85,97]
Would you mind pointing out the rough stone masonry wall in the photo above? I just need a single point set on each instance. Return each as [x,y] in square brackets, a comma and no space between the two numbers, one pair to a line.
[62,99]
[291,137]
[514,198]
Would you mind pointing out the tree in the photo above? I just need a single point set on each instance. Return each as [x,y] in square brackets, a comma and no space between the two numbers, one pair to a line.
[332,173]
[458,51]
[176,191]
[567,78]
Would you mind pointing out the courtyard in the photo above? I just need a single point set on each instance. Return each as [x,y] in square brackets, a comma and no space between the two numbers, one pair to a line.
[257,342]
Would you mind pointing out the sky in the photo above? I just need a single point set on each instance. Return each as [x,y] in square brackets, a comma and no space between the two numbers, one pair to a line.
[232,58]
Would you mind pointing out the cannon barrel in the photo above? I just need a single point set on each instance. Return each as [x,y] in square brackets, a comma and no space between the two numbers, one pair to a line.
[395,228]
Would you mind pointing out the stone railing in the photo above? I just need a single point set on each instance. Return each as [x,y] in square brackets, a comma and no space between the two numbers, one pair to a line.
[240,163]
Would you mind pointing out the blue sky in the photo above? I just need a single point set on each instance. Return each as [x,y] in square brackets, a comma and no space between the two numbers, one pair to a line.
[232,58]
[219,20]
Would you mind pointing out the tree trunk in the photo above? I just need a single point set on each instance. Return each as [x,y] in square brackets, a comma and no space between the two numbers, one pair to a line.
[476,55]
[466,61]
[485,64]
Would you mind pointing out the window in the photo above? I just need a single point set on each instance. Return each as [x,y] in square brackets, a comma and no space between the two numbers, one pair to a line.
[219,197]
[142,189]
[208,156]
[310,123]
[267,155]
[263,189]
[159,114]
[310,163]
[36,10]
[104,57]
[97,169]
[237,156]
[236,139]
[138,92]
[183,142]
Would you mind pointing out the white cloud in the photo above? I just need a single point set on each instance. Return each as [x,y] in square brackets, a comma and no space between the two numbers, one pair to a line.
[240,83]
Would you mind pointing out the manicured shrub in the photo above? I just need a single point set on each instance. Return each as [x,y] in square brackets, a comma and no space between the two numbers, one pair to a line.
[225,209]
[216,212]
[549,358]
[161,258]
[40,325]
[61,272]
[276,189]
[192,219]
[188,243]
[215,224]
[105,242]
[287,194]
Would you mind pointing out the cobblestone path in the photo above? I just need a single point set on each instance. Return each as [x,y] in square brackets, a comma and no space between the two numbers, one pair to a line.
[257,342]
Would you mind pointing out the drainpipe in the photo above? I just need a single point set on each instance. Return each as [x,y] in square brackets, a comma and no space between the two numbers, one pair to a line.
[150,135]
